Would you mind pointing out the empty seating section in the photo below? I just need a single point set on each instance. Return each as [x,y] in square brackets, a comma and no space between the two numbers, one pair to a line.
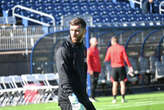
[24,89]
[102,11]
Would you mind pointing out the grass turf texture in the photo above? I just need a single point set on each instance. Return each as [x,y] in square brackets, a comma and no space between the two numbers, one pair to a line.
[149,101]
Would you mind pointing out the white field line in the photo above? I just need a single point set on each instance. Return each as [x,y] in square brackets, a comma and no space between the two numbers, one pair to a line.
[50,107]
[137,104]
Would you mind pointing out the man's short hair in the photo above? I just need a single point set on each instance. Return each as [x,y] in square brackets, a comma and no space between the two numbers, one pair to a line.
[78,21]
[115,39]
[92,38]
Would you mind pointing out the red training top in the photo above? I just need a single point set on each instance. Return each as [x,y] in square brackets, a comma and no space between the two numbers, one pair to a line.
[93,60]
[117,54]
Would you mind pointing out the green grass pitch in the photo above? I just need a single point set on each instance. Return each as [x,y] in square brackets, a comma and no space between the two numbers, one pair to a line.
[149,101]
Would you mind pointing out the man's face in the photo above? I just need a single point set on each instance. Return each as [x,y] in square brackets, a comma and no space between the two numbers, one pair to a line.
[77,33]
[94,42]
[150,1]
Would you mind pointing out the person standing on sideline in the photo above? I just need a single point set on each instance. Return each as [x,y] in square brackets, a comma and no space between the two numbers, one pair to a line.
[148,6]
[94,65]
[72,68]
[117,55]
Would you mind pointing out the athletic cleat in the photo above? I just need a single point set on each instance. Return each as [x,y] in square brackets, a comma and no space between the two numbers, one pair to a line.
[124,101]
[114,101]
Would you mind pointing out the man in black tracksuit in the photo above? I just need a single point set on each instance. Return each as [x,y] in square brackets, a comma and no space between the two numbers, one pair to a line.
[72,68]
[148,6]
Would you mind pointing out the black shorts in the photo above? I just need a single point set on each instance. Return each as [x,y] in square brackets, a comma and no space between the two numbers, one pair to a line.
[65,106]
[118,74]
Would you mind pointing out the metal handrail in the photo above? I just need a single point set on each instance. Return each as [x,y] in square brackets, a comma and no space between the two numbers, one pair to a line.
[34,11]
[160,7]
[138,2]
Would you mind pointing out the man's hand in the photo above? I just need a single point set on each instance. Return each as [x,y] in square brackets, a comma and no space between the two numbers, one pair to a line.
[91,72]
[130,71]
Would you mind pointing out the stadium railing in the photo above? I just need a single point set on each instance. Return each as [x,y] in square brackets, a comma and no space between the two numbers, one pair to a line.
[161,7]
[14,38]
[139,2]
[14,14]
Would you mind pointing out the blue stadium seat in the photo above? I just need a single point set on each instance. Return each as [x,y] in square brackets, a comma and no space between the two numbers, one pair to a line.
[123,18]
[65,1]
[84,6]
[158,17]
[66,7]
[109,5]
[139,17]
[100,1]
[48,8]
[103,13]
[10,4]
[91,1]
[102,6]
[96,19]
[93,6]
[106,19]
[83,1]
[137,11]
[57,7]
[68,13]
[148,17]
[48,1]
[115,19]
[75,8]
[87,12]
[38,1]
[4,6]
[94,13]
[74,1]
[129,12]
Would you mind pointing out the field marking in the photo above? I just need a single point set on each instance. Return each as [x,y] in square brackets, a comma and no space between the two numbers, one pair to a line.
[50,107]
[144,102]
[118,106]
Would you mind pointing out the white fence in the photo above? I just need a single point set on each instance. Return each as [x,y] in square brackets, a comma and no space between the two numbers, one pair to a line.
[19,38]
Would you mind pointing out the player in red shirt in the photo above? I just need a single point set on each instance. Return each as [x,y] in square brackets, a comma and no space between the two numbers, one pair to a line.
[117,55]
[94,65]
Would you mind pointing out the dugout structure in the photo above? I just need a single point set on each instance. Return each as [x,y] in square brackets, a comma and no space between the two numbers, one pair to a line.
[144,47]
[144,42]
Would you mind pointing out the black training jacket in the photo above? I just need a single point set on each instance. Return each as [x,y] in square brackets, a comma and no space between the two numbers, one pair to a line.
[72,69]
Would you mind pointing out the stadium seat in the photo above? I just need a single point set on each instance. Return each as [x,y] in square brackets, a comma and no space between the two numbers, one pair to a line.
[162,59]
[152,60]
[134,63]
[144,65]
[83,1]
[159,73]
[144,70]
[108,71]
